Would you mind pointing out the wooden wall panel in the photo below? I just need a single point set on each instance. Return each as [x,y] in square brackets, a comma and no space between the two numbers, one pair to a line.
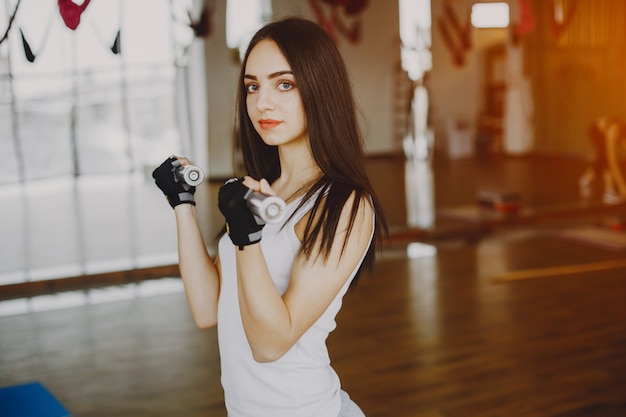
[578,70]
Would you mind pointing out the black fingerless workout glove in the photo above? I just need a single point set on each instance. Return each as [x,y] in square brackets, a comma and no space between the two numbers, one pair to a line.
[243,227]
[176,191]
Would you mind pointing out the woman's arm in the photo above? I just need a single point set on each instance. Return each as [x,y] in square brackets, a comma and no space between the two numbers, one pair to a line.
[273,323]
[199,273]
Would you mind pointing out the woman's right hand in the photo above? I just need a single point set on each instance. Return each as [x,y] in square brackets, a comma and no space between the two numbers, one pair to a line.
[176,191]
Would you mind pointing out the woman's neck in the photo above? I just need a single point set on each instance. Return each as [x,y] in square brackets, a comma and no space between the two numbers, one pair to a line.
[298,169]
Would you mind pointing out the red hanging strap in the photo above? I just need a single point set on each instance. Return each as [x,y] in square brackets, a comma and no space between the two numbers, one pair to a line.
[71,12]
[526,22]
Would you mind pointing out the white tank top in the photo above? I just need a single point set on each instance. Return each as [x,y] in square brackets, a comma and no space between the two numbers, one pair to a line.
[302,382]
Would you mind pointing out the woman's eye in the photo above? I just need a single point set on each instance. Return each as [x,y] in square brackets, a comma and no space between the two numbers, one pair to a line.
[251,88]
[285,85]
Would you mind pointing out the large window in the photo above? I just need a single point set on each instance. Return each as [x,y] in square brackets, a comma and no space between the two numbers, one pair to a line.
[85,114]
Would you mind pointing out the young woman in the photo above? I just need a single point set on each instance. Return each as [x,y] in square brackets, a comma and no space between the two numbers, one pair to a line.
[605,134]
[275,289]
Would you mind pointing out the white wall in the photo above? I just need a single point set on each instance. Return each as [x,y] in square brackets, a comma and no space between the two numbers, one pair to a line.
[457,92]
[221,80]
[372,64]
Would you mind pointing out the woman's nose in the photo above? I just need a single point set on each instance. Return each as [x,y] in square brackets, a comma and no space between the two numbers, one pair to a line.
[265,99]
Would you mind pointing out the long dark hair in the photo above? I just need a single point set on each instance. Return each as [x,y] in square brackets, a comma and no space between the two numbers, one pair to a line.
[335,137]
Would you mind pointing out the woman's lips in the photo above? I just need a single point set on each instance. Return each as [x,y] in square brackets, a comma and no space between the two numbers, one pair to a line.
[267,124]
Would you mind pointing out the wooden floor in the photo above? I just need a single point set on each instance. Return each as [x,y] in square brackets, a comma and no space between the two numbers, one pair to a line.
[422,337]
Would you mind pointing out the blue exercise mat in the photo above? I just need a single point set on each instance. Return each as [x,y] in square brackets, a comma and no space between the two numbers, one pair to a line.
[30,400]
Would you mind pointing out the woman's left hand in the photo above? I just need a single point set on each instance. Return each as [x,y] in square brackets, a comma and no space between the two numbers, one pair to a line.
[261,186]
[243,227]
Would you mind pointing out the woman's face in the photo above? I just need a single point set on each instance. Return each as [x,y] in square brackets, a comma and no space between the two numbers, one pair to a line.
[273,99]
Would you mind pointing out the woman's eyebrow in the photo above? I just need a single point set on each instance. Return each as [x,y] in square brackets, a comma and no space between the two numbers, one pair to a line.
[279,73]
[269,77]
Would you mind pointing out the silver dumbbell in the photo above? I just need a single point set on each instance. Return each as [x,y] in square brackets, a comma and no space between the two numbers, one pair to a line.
[267,207]
[190,175]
